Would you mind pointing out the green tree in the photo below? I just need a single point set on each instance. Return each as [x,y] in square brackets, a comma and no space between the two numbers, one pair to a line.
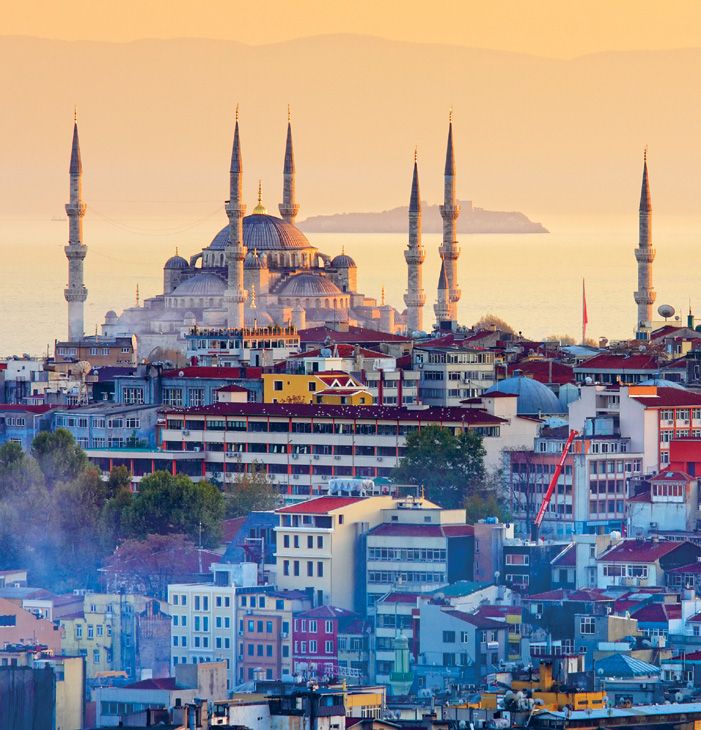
[487,321]
[59,456]
[450,467]
[119,478]
[167,504]
[251,492]
[486,504]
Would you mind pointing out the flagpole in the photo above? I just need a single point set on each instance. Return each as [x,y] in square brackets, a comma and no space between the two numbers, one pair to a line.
[585,318]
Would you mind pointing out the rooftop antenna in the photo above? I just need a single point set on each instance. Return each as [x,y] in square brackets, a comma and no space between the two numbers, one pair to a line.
[137,294]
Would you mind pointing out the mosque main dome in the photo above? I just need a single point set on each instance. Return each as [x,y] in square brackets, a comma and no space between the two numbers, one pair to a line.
[265,232]
[308,285]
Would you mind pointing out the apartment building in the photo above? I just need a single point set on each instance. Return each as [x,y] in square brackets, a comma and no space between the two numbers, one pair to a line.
[418,547]
[316,636]
[264,633]
[306,388]
[204,617]
[22,423]
[302,445]
[97,350]
[452,373]
[650,416]
[318,547]
[255,346]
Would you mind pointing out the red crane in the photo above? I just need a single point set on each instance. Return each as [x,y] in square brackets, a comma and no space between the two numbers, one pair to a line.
[535,527]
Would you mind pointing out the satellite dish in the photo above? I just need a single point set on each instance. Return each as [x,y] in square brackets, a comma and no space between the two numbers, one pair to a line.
[665,310]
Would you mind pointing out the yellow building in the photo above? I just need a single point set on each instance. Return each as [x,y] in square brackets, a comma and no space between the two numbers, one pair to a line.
[103,632]
[332,385]
[317,547]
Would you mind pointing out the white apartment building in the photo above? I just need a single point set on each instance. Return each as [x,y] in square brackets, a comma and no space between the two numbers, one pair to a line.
[450,374]
[302,446]
[650,416]
[204,617]
[318,546]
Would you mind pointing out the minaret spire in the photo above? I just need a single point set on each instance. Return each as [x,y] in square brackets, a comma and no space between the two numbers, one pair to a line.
[645,255]
[235,252]
[442,306]
[415,297]
[289,206]
[75,293]
[450,210]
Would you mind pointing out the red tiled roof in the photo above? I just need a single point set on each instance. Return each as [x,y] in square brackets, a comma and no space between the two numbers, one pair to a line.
[232,389]
[493,394]
[401,598]
[498,612]
[567,558]
[671,476]
[342,349]
[658,612]
[326,612]
[481,622]
[692,656]
[230,528]
[619,363]
[25,409]
[394,529]
[432,414]
[669,397]
[342,391]
[319,506]
[544,371]
[212,373]
[692,568]
[696,619]
[353,335]
[638,551]
[560,594]
[642,497]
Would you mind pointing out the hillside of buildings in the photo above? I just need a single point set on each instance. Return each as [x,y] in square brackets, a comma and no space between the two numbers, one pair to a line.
[471,220]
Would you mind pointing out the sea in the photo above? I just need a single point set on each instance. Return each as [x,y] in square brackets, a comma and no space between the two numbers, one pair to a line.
[532,281]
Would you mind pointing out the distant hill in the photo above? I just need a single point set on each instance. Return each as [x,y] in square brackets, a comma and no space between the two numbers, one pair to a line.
[471,220]
[543,135]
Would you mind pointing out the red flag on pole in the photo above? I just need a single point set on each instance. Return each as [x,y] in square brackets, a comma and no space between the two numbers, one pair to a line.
[585,318]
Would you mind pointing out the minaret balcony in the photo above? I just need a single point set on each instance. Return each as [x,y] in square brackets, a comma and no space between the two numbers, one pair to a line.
[414,256]
[75,294]
[450,212]
[645,255]
[73,209]
[645,297]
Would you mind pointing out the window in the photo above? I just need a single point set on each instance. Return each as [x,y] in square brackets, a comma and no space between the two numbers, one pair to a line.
[96,656]
[295,567]
[448,637]
[328,647]
[91,631]
[285,567]
[78,631]
[320,568]
[312,626]
[277,385]
[100,629]
[312,647]
[587,625]
[516,559]
[328,627]
[310,567]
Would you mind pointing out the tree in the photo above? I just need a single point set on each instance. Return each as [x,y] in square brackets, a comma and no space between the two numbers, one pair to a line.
[487,321]
[478,506]
[450,467]
[150,564]
[251,492]
[167,504]
[119,478]
[59,456]
[562,339]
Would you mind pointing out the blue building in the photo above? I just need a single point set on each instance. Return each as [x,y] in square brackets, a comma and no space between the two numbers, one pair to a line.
[21,423]
[186,387]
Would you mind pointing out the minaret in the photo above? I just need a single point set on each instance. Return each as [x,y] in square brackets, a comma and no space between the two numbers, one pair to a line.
[415,297]
[450,210]
[442,305]
[289,206]
[75,292]
[235,252]
[645,255]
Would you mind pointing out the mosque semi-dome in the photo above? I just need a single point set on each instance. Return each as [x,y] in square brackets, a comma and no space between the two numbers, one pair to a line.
[343,261]
[201,285]
[309,285]
[176,262]
[532,396]
[265,233]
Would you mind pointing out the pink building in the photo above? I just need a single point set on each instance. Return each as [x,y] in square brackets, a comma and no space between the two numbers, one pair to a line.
[315,640]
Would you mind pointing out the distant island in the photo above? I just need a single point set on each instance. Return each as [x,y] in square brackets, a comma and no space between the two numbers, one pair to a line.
[471,220]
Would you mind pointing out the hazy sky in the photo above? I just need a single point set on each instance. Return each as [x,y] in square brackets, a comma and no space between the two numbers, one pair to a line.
[556,28]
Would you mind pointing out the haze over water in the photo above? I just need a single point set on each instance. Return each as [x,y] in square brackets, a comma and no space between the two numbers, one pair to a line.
[533,281]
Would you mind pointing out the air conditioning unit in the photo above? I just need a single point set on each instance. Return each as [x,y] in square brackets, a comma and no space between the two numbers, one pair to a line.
[295,456]
[295,476]
[240,633]
[539,615]
[316,456]
[338,458]
[379,458]
[186,432]
[284,635]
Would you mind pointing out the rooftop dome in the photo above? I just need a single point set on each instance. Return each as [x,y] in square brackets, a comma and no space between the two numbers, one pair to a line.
[343,262]
[265,233]
[176,262]
[309,285]
[111,316]
[201,285]
[532,397]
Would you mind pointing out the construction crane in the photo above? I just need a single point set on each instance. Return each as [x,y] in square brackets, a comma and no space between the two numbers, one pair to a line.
[535,527]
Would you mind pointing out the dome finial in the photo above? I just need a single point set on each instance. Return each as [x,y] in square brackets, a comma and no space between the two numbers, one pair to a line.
[75,114]
[289,114]
[237,111]
[253,296]
[343,250]
[416,154]
[260,209]
[645,154]
[450,115]
[137,294]
[382,295]
[176,251]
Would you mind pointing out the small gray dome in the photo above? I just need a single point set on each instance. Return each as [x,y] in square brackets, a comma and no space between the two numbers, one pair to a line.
[343,261]
[176,262]
[201,285]
[111,317]
[309,285]
[532,396]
